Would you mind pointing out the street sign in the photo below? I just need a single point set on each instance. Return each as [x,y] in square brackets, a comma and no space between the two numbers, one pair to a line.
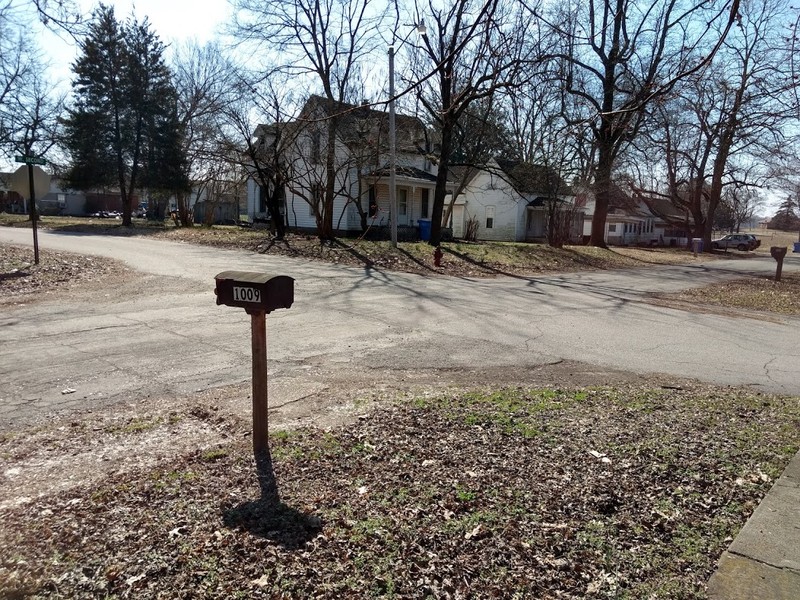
[30,160]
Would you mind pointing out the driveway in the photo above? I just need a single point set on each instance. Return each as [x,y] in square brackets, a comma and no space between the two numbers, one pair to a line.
[162,334]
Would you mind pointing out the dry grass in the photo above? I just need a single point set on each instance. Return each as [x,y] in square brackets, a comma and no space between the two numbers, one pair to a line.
[762,294]
[482,259]
[512,493]
[772,237]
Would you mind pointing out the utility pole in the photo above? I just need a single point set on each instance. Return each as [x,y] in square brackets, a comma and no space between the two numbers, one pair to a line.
[392,152]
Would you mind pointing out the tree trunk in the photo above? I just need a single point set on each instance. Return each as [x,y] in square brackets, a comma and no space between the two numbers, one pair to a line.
[274,204]
[602,196]
[441,183]
[326,230]
[183,210]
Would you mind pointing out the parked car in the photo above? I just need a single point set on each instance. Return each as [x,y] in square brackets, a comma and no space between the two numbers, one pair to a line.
[740,241]
[755,239]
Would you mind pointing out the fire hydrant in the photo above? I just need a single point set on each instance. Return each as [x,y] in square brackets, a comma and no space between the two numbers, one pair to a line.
[437,257]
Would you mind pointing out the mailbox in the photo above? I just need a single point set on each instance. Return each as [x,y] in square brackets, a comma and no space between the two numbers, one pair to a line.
[254,291]
[778,252]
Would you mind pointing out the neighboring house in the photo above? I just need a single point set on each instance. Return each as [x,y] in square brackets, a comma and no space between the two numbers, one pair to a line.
[511,200]
[10,202]
[637,221]
[362,168]
[57,200]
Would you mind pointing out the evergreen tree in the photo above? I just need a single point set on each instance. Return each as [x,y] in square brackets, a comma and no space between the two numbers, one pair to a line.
[123,130]
[786,218]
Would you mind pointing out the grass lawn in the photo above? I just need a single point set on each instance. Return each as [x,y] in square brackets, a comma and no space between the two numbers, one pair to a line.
[627,492]
[480,259]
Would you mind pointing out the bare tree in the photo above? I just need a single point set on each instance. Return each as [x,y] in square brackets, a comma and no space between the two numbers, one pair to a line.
[742,203]
[18,65]
[262,149]
[34,117]
[470,52]
[720,121]
[204,80]
[620,56]
[542,118]
[322,42]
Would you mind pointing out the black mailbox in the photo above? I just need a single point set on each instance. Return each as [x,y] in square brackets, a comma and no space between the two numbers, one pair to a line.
[778,252]
[254,291]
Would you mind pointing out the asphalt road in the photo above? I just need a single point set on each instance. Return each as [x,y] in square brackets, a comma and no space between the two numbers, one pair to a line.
[163,334]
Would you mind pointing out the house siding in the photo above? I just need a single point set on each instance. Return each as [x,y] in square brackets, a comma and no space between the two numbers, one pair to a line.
[351,165]
[487,191]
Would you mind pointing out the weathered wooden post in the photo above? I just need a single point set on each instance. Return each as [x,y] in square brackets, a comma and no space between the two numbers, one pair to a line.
[778,253]
[26,181]
[259,294]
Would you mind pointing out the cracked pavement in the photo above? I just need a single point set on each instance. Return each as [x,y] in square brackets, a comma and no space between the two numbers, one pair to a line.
[162,334]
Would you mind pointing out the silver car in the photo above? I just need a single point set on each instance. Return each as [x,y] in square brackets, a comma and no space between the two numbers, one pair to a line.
[740,241]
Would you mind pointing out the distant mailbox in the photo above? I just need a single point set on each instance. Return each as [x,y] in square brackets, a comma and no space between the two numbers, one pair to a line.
[254,291]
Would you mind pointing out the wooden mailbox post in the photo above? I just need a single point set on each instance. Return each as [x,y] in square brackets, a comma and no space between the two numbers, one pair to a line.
[258,294]
[778,253]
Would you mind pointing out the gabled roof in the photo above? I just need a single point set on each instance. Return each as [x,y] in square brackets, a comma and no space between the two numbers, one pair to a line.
[664,208]
[619,202]
[358,123]
[528,178]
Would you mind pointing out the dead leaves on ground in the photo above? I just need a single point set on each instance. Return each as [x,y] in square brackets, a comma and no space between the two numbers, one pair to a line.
[601,493]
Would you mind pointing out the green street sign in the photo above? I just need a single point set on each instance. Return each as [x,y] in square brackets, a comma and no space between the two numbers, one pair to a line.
[30,160]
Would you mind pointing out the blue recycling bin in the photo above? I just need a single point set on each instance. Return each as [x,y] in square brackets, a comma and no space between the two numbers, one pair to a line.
[796,247]
[697,245]
[425,230]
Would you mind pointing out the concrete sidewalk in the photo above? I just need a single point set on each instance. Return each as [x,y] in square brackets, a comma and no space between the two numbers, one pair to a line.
[763,562]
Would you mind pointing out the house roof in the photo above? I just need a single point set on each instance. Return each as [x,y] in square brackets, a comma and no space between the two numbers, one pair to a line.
[663,208]
[528,178]
[360,123]
[404,171]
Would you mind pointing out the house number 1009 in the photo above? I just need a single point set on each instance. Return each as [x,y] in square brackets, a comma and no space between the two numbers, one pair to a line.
[246,294]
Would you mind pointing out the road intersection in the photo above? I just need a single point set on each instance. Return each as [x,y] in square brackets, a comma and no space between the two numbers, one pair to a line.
[162,333]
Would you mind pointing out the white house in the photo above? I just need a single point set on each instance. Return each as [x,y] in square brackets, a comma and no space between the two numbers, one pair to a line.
[511,200]
[362,171]
[637,221]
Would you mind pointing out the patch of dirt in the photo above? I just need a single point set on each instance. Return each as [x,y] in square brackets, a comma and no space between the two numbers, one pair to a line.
[523,491]
[58,452]
[22,281]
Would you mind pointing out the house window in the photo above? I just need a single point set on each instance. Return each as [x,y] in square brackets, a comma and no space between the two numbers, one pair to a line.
[612,228]
[489,217]
[315,148]
[402,202]
[424,212]
[62,200]
[373,202]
